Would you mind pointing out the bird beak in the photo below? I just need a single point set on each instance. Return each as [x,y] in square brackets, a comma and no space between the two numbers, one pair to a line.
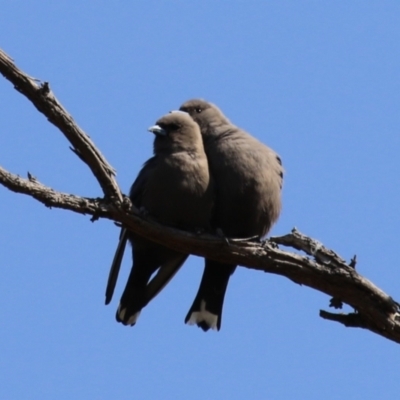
[178,111]
[157,130]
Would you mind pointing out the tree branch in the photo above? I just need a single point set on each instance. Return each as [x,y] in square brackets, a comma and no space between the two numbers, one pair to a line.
[319,268]
[45,101]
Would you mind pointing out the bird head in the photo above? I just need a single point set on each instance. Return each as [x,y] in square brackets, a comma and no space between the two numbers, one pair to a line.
[207,115]
[176,131]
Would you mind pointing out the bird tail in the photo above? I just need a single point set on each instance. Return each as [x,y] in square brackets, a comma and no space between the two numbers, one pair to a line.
[138,292]
[116,265]
[166,272]
[206,310]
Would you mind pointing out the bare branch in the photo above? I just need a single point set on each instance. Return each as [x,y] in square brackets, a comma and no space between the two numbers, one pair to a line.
[51,198]
[355,320]
[45,101]
[319,268]
[377,311]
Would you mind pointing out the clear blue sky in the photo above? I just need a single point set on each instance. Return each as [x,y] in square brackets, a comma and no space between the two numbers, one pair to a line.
[318,81]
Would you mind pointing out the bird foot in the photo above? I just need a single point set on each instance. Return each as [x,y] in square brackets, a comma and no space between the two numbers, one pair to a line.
[221,235]
[143,212]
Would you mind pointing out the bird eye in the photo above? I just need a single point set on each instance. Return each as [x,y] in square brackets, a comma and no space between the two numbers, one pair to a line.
[173,127]
[198,110]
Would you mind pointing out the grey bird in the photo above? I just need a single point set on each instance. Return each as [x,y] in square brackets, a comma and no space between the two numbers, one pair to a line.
[248,179]
[174,188]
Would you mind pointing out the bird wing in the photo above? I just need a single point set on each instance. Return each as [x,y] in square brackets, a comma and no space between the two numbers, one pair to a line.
[136,194]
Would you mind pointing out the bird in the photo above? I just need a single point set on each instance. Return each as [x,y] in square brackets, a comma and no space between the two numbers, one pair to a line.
[174,187]
[248,178]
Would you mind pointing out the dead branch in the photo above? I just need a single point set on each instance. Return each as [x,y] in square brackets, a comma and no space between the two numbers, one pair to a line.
[45,101]
[319,268]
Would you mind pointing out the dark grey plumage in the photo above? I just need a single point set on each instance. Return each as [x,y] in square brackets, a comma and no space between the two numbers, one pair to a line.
[174,188]
[248,179]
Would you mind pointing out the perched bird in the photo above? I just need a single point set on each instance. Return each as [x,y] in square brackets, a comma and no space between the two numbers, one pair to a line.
[248,180]
[175,189]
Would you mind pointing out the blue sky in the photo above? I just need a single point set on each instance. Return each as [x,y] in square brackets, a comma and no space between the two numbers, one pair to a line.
[318,81]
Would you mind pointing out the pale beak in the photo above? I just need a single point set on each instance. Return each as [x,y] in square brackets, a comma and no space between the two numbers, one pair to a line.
[157,130]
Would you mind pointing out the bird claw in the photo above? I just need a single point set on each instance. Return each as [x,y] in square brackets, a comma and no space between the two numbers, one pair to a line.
[265,242]
[143,212]
[255,238]
[221,235]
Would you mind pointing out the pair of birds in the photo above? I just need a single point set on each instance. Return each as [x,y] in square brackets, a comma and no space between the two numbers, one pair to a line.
[206,174]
